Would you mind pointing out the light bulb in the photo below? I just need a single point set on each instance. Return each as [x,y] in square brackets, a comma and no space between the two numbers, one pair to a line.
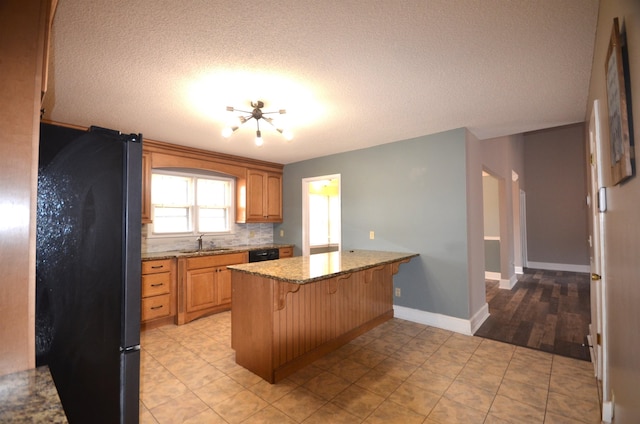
[226,132]
[259,140]
[288,135]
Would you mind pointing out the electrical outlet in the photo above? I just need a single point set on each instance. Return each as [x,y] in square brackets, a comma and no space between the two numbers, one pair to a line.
[252,234]
[398,292]
[281,233]
[371,235]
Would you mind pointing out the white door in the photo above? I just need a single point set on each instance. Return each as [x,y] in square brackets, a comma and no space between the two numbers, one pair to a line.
[598,327]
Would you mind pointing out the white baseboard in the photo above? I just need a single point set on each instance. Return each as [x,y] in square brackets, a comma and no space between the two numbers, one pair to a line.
[446,322]
[489,275]
[607,412]
[508,284]
[559,267]
[519,270]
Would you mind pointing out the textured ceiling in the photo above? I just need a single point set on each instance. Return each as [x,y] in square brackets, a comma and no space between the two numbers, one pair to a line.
[351,73]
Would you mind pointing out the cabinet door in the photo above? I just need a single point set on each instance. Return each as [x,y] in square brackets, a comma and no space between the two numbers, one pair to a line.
[256,196]
[201,290]
[264,196]
[273,200]
[223,278]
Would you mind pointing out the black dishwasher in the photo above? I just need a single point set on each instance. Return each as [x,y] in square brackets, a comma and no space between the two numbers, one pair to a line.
[263,255]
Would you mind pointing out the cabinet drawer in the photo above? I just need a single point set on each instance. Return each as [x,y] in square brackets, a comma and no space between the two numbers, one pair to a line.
[286,252]
[155,284]
[153,267]
[217,260]
[156,307]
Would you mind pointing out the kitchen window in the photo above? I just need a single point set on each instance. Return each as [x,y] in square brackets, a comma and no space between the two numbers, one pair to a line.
[184,203]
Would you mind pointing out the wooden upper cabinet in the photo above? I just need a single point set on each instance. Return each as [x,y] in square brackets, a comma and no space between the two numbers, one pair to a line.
[264,196]
[146,187]
[258,183]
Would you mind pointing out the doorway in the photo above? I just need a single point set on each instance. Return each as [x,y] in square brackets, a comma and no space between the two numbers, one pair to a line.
[321,214]
[491,214]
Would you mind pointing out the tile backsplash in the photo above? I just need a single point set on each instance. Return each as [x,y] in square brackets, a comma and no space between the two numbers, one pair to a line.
[241,234]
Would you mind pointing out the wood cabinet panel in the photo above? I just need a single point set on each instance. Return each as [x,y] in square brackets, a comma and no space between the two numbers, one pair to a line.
[201,289]
[209,261]
[156,266]
[263,196]
[24,37]
[205,284]
[285,252]
[224,286]
[156,307]
[158,281]
[273,201]
[155,284]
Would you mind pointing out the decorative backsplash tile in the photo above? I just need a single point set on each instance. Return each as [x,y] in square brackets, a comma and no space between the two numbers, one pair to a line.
[241,234]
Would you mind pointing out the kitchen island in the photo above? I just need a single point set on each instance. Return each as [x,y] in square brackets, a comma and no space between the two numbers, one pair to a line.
[287,313]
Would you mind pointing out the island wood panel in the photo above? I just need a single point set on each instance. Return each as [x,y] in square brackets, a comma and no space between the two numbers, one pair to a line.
[279,327]
[252,323]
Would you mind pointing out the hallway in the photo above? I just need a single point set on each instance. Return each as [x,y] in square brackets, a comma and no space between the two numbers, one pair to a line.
[545,310]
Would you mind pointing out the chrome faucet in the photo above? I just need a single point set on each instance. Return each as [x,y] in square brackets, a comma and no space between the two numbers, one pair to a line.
[200,242]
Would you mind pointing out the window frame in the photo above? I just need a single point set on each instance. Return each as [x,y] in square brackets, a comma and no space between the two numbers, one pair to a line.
[193,209]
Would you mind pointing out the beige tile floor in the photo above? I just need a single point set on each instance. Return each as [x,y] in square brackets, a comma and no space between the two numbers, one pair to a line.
[399,372]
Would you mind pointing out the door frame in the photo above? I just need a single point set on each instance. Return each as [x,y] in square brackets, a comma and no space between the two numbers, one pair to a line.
[306,248]
[598,339]
[523,229]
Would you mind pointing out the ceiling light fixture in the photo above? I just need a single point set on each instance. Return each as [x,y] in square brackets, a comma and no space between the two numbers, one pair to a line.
[256,114]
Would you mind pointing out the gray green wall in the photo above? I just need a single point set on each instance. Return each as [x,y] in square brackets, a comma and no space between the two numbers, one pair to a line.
[413,194]
[556,196]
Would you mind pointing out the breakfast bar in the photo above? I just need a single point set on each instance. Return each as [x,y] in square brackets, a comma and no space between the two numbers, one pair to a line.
[289,312]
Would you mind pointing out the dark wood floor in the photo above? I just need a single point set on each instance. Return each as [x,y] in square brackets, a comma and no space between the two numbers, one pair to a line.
[545,310]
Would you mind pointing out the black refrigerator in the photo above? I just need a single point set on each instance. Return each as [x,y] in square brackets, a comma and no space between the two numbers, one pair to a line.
[88,270]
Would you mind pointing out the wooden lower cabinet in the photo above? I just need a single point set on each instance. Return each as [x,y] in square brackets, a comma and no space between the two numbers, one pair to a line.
[158,293]
[285,252]
[204,285]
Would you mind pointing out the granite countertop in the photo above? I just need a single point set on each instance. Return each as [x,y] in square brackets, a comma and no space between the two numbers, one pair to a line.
[30,397]
[306,269]
[222,250]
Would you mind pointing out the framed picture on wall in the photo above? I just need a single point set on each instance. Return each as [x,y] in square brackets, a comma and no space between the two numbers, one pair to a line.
[620,144]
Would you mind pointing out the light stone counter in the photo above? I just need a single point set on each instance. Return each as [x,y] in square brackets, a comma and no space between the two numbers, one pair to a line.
[222,250]
[306,269]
